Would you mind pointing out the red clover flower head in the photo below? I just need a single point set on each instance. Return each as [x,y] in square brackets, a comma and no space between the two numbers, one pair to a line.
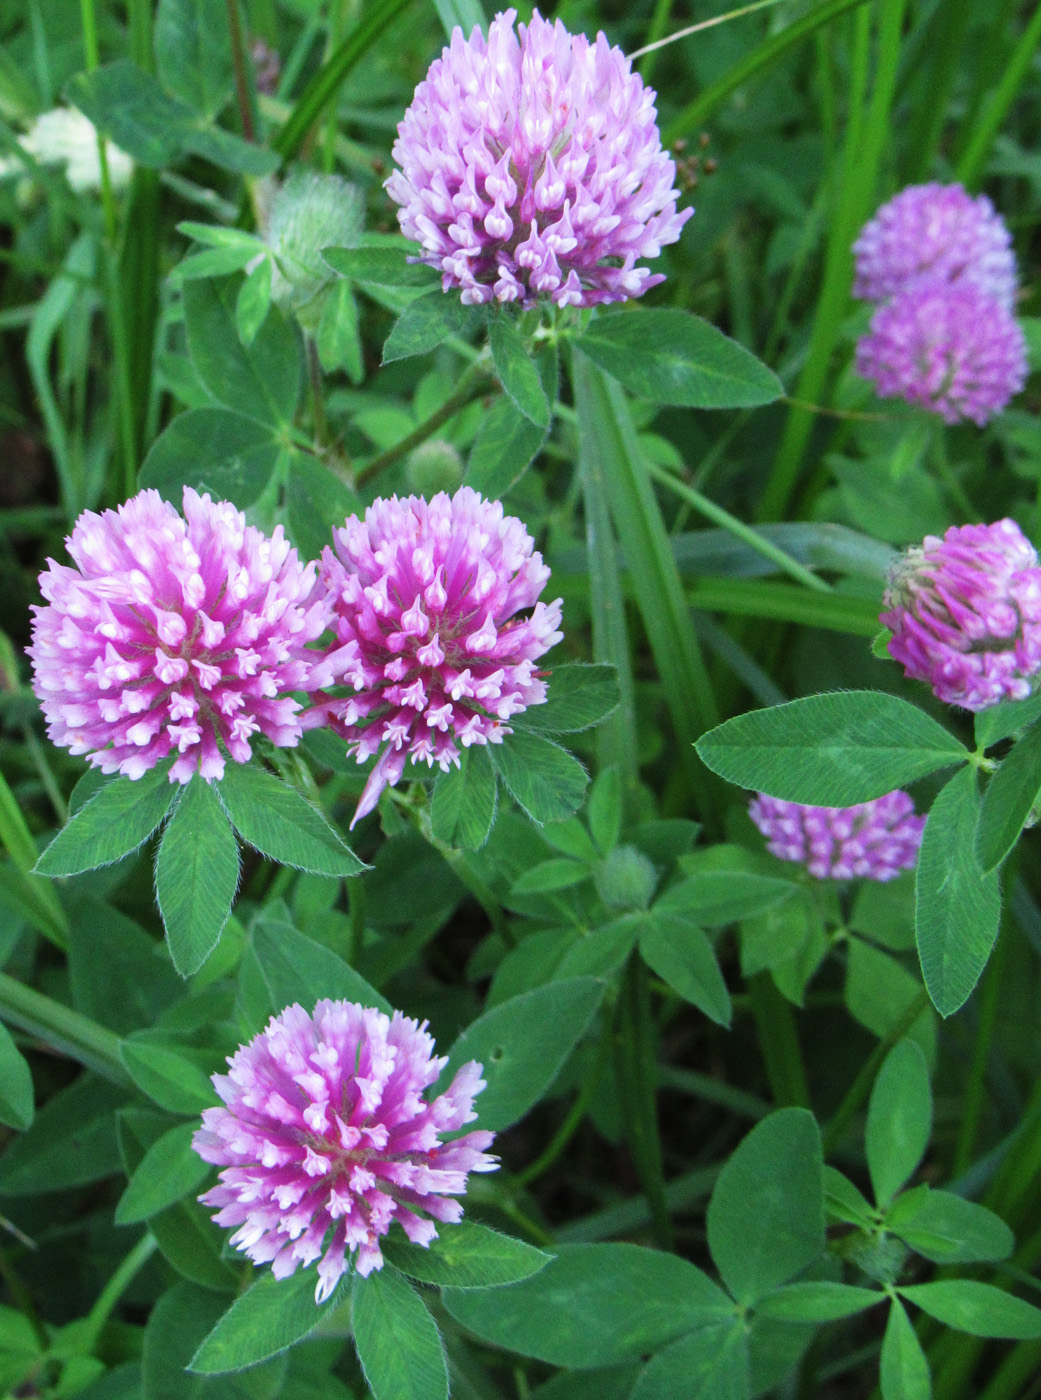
[965,614]
[940,232]
[951,348]
[438,625]
[174,635]
[532,167]
[873,840]
[325,1139]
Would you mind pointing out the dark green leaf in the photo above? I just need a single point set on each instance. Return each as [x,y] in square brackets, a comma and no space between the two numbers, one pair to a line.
[338,340]
[506,444]
[168,1171]
[594,1305]
[193,52]
[605,809]
[427,323]
[1007,802]
[228,151]
[16,1084]
[550,875]
[171,1077]
[900,1120]
[72,1141]
[541,777]
[766,1215]
[398,1343]
[467,1255]
[579,697]
[880,992]
[260,381]
[818,1302]
[979,1308]
[516,370]
[253,302]
[717,897]
[904,1372]
[127,105]
[214,450]
[674,357]
[176,1326]
[265,1320]
[521,1045]
[948,1229]
[462,808]
[316,501]
[116,821]
[294,968]
[386,267]
[282,824]
[711,1364]
[121,976]
[1000,721]
[833,750]
[683,957]
[196,876]
[957,907]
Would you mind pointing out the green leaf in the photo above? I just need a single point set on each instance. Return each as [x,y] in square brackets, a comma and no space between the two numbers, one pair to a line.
[957,907]
[717,897]
[16,1084]
[522,1044]
[214,450]
[120,975]
[674,357]
[605,809]
[997,723]
[260,381]
[462,808]
[600,952]
[506,444]
[169,1076]
[904,1372]
[544,779]
[467,14]
[948,1229]
[549,875]
[594,1305]
[843,1201]
[818,1302]
[467,1255]
[294,968]
[516,370]
[253,302]
[196,876]
[879,993]
[979,1308]
[72,1141]
[683,957]
[177,1325]
[899,1121]
[397,1340]
[833,750]
[168,1171]
[265,1320]
[711,1364]
[766,1215]
[280,823]
[1007,802]
[579,696]
[427,323]
[386,267]
[193,52]
[338,340]
[113,823]
[127,105]
[228,151]
[315,500]
[214,262]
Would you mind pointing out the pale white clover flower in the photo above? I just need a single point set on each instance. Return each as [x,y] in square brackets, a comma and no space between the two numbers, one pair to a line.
[64,136]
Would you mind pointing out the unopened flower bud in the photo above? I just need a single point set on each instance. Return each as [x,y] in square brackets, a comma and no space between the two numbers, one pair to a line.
[627,879]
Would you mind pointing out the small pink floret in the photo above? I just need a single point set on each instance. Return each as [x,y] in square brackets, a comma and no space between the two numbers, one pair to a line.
[438,629]
[872,841]
[949,348]
[940,232]
[325,1139]
[965,613]
[532,167]
[174,635]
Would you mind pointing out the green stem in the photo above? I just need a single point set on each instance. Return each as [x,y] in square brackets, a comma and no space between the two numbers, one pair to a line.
[972,1098]
[117,1285]
[739,530]
[34,891]
[59,1026]
[655,31]
[462,867]
[637,1084]
[988,122]
[325,84]
[243,96]
[572,1122]
[475,383]
[861,1086]
[866,135]
[779,1043]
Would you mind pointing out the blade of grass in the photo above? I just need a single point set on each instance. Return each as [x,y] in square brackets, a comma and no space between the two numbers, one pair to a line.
[985,123]
[783,602]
